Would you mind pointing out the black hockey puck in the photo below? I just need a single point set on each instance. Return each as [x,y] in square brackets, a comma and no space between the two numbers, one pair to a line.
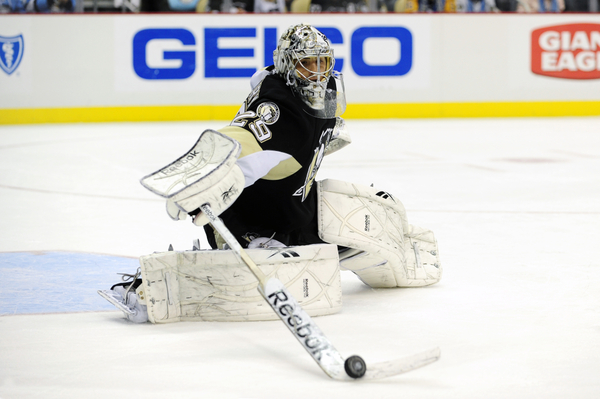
[355,366]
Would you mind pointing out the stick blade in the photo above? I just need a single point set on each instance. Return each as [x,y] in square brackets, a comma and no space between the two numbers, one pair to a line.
[402,365]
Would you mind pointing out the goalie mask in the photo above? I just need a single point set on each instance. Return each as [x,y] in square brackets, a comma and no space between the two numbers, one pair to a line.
[304,58]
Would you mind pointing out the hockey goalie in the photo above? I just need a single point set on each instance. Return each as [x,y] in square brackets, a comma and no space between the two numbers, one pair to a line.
[259,176]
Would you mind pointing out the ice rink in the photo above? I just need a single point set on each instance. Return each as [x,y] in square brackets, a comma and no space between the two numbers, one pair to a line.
[514,204]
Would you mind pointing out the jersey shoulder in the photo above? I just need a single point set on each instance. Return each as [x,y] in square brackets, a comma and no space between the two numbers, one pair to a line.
[274,115]
[273,88]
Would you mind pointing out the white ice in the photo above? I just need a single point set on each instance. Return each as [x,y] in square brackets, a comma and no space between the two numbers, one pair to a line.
[514,204]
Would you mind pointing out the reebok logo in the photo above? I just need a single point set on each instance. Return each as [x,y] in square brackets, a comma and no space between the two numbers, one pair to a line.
[569,51]
[306,332]
[229,194]
[287,254]
[385,195]
[175,166]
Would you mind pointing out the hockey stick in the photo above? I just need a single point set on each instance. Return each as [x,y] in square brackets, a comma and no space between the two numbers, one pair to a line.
[307,332]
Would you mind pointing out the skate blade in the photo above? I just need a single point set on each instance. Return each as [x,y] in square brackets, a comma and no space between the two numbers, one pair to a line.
[119,305]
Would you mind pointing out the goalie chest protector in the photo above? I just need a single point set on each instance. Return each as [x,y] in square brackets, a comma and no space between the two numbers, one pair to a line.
[288,201]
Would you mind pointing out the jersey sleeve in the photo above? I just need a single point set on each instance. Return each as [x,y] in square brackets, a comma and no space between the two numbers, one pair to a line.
[269,127]
[257,163]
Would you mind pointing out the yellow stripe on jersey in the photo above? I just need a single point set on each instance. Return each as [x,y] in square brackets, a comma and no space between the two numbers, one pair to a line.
[283,169]
[250,146]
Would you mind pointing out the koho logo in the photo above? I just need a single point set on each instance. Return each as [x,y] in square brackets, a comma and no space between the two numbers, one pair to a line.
[566,51]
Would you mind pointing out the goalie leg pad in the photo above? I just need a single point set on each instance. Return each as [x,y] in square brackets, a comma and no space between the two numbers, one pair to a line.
[422,257]
[212,285]
[393,253]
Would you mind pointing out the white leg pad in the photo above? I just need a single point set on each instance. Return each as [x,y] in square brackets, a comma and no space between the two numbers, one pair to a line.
[393,253]
[212,285]
[422,257]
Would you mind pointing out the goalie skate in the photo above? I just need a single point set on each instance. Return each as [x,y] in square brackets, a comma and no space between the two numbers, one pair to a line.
[118,301]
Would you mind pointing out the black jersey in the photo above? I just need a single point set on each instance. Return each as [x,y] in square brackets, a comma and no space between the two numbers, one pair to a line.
[284,202]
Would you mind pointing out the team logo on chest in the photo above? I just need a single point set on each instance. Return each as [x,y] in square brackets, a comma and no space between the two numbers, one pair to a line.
[268,113]
[314,165]
[11,53]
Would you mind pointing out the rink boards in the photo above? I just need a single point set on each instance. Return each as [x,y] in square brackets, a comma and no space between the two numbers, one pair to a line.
[73,68]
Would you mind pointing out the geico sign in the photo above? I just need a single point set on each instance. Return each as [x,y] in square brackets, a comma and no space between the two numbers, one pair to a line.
[183,53]
[566,51]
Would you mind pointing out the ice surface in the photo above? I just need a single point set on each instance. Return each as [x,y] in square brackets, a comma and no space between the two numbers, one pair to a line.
[514,204]
[50,282]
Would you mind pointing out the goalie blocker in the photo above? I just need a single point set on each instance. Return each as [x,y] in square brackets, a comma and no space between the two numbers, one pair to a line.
[207,173]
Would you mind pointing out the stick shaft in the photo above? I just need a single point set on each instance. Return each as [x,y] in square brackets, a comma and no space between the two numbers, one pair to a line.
[286,307]
[233,243]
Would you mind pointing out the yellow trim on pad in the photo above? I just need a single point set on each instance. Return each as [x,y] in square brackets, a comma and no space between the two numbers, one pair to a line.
[354,111]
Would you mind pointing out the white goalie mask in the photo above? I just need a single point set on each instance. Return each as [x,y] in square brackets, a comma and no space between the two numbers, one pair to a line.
[304,58]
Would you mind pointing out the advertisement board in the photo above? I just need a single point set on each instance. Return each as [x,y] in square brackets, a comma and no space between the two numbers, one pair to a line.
[219,55]
[196,66]
[570,51]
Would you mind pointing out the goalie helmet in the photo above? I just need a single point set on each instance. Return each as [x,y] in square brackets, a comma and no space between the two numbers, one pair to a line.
[304,58]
